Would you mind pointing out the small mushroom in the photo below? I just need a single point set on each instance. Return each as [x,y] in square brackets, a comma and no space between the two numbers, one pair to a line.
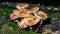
[32,21]
[19,13]
[33,10]
[22,6]
[37,16]
[29,21]
[14,15]
[42,14]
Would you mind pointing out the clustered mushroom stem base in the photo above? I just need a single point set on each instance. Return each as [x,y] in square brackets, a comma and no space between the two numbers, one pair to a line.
[39,26]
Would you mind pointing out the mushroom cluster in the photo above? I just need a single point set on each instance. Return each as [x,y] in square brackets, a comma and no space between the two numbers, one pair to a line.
[29,17]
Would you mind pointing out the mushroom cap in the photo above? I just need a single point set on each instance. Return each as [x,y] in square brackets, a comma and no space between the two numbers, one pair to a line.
[22,5]
[23,14]
[29,21]
[19,13]
[35,9]
[42,14]
[14,15]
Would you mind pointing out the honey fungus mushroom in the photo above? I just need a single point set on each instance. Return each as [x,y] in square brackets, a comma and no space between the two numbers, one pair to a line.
[22,5]
[42,14]
[33,10]
[38,13]
[30,21]
[19,13]
[23,13]
[14,14]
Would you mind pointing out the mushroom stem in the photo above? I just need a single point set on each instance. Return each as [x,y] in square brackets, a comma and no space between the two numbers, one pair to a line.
[31,29]
[40,19]
[17,21]
[39,26]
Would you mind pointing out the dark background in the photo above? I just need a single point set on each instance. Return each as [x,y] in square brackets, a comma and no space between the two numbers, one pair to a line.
[45,2]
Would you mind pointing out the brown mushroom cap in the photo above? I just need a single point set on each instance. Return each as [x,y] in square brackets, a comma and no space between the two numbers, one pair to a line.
[29,21]
[42,14]
[22,5]
[35,9]
[19,13]
[14,15]
[23,14]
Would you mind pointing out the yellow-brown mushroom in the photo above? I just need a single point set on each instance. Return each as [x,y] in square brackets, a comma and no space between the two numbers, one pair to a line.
[14,15]
[32,20]
[42,14]
[22,6]
[27,14]
[19,13]
[33,10]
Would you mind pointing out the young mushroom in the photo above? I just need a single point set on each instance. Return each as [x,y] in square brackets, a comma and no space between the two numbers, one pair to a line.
[14,14]
[19,13]
[32,20]
[22,6]
[33,10]
[42,14]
